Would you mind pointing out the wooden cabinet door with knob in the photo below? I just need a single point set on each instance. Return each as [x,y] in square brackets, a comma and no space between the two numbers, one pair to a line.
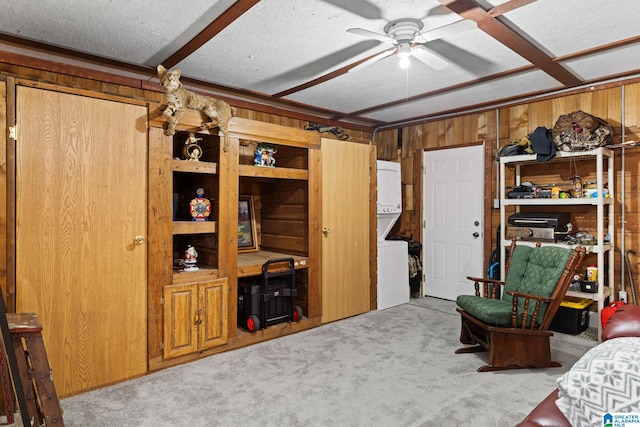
[195,317]
[346,171]
[81,223]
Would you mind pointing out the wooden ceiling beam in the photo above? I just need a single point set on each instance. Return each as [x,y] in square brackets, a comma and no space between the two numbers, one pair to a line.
[470,9]
[508,7]
[440,91]
[496,11]
[486,79]
[220,23]
[322,79]
[599,49]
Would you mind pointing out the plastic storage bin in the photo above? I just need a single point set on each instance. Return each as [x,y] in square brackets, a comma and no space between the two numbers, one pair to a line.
[572,316]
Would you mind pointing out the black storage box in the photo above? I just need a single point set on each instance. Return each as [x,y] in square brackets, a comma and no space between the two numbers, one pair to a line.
[588,286]
[269,299]
[572,316]
[248,300]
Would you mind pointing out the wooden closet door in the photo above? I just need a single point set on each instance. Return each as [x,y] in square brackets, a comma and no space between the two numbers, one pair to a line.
[346,169]
[81,201]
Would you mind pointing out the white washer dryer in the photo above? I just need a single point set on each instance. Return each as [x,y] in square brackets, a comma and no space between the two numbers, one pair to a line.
[393,255]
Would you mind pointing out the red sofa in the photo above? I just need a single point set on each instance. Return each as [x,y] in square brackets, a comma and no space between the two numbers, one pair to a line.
[625,322]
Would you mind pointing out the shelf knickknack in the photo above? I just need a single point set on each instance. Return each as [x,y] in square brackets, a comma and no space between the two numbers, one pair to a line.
[192,151]
[246,225]
[264,155]
[200,206]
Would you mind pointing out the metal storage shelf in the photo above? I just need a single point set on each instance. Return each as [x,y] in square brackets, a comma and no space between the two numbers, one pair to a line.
[558,202]
[606,292]
[561,156]
[602,159]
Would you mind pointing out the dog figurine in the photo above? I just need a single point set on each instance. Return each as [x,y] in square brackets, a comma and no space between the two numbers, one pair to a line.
[178,99]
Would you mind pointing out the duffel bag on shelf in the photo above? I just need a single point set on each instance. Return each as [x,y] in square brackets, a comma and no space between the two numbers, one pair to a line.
[580,131]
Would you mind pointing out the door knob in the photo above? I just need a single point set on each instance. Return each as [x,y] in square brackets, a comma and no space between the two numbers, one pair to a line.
[139,240]
[325,230]
[476,235]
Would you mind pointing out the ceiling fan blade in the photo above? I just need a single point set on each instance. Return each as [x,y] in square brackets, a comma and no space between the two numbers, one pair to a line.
[431,59]
[370,34]
[470,61]
[439,10]
[362,8]
[373,59]
[446,30]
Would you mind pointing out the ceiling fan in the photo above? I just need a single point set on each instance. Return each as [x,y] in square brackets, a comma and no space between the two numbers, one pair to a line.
[408,41]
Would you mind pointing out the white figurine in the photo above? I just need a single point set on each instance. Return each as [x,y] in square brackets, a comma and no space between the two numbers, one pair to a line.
[190,259]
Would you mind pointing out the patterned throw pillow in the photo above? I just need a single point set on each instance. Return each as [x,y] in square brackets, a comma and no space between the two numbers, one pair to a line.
[605,380]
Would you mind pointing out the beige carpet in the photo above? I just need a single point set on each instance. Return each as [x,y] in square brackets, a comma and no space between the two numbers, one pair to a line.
[394,367]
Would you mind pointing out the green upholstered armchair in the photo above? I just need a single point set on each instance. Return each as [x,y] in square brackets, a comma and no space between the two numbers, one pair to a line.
[514,329]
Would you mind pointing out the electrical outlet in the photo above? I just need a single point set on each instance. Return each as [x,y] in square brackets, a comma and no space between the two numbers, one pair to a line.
[622,296]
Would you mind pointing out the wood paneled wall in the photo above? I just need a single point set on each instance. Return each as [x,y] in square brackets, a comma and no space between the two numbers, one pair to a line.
[89,83]
[618,104]
[450,132]
[512,122]
[3,192]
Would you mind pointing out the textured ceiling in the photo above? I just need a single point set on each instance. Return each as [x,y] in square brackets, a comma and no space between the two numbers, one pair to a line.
[296,54]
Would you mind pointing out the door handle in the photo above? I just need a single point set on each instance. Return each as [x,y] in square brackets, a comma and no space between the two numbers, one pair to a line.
[138,240]
[476,235]
[325,231]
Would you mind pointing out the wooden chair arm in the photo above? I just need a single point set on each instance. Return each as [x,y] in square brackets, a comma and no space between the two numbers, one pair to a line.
[485,280]
[530,296]
[525,313]
[488,293]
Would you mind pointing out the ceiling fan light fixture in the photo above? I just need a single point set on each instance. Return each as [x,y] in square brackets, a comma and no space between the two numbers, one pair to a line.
[404,53]
[404,62]
[407,35]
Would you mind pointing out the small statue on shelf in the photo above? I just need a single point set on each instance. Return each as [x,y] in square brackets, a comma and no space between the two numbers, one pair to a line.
[179,99]
[264,155]
[192,150]
[200,206]
[190,259]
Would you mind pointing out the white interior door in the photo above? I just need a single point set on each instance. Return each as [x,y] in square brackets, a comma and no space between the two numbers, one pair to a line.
[452,206]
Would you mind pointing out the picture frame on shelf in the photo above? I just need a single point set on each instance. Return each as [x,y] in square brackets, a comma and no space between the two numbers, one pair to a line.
[246,225]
